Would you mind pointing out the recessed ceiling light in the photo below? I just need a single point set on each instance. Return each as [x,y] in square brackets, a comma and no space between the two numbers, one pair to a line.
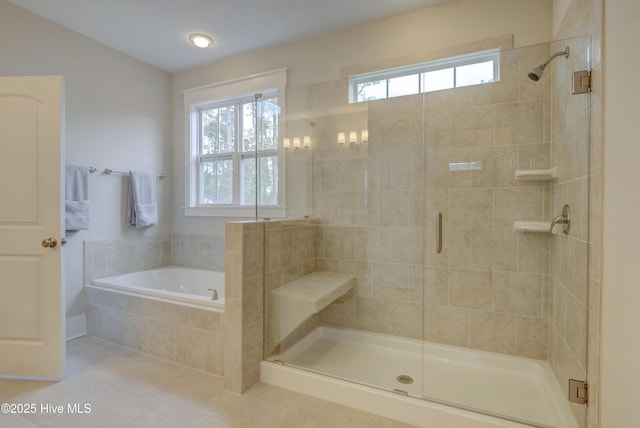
[200,40]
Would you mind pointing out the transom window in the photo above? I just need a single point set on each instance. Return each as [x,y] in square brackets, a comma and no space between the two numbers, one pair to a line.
[447,73]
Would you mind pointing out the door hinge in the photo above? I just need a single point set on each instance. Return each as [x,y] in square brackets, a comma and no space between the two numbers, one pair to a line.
[578,391]
[581,82]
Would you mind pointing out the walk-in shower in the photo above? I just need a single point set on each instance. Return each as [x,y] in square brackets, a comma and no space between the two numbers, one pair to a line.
[495,322]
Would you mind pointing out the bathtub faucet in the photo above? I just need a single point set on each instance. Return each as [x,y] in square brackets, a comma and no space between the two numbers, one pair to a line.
[214,293]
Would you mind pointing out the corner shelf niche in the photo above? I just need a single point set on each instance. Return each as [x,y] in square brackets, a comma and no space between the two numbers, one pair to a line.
[536,174]
[295,302]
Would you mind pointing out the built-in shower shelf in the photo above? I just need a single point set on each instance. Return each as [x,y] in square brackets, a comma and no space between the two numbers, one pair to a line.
[536,174]
[293,303]
[532,226]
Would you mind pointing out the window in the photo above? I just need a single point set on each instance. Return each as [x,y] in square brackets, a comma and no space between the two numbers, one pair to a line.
[234,155]
[447,73]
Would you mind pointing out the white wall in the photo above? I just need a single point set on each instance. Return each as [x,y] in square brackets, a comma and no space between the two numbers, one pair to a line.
[621,285]
[117,116]
[323,58]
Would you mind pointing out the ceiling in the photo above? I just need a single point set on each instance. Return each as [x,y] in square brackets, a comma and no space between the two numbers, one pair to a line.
[156,31]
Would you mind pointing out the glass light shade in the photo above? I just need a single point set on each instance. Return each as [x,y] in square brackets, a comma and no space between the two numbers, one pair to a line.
[306,141]
[364,136]
[286,143]
[353,137]
[200,40]
[341,138]
[296,142]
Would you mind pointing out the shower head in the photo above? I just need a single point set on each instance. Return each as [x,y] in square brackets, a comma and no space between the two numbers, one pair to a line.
[536,73]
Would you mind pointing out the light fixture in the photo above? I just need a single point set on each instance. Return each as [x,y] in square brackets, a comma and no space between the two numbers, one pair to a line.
[353,138]
[201,40]
[286,143]
[296,142]
[364,136]
[306,141]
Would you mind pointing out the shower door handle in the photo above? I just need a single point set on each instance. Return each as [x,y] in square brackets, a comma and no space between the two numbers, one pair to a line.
[439,233]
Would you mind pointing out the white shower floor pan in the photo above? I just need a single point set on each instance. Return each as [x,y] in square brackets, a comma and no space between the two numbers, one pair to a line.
[519,389]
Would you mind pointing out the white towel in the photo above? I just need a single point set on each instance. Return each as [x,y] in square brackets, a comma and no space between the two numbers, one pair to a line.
[76,198]
[142,208]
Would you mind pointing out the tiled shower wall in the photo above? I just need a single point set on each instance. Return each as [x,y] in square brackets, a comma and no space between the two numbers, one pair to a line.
[489,288]
[290,253]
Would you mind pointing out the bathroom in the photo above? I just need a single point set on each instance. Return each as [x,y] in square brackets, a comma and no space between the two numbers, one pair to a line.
[141,110]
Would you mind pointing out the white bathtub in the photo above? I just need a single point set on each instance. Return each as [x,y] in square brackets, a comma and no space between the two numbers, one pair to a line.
[184,286]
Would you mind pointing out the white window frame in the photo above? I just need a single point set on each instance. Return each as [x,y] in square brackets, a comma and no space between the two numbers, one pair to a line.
[194,101]
[425,67]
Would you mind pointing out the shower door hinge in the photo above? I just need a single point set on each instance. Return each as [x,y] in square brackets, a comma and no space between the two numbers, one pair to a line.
[578,391]
[581,82]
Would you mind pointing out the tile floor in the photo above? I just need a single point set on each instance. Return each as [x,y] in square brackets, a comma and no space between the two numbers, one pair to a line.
[127,389]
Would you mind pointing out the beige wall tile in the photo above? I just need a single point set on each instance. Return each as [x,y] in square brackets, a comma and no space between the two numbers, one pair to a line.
[472,127]
[205,320]
[498,166]
[503,91]
[532,337]
[438,129]
[517,204]
[444,324]
[471,208]
[494,249]
[162,340]
[519,123]
[533,252]
[372,314]
[471,289]
[406,319]
[214,354]
[493,332]
[190,347]
[436,286]
[577,324]
[518,293]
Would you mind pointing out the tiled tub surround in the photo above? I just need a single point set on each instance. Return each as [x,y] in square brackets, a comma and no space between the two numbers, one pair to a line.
[488,290]
[189,336]
[196,251]
[108,257]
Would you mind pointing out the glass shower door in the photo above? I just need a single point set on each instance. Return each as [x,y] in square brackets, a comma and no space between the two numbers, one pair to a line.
[502,159]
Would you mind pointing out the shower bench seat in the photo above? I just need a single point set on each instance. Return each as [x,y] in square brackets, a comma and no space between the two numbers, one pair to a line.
[295,302]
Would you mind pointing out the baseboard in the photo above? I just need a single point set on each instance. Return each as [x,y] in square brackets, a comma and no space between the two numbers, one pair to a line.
[76,326]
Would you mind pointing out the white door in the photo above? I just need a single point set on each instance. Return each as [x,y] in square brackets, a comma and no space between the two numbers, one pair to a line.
[31,293]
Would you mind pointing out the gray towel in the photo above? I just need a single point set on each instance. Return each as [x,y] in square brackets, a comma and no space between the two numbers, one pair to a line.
[76,198]
[142,208]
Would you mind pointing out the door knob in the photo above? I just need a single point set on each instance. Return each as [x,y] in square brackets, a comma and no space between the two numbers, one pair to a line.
[49,242]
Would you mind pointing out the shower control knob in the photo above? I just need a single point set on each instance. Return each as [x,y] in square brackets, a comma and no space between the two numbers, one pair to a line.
[49,243]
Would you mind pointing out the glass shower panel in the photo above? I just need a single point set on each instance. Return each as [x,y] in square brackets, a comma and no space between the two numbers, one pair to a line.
[366,162]
[494,321]
[496,309]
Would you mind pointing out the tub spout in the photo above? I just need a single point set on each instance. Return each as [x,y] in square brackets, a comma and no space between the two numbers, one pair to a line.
[214,293]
